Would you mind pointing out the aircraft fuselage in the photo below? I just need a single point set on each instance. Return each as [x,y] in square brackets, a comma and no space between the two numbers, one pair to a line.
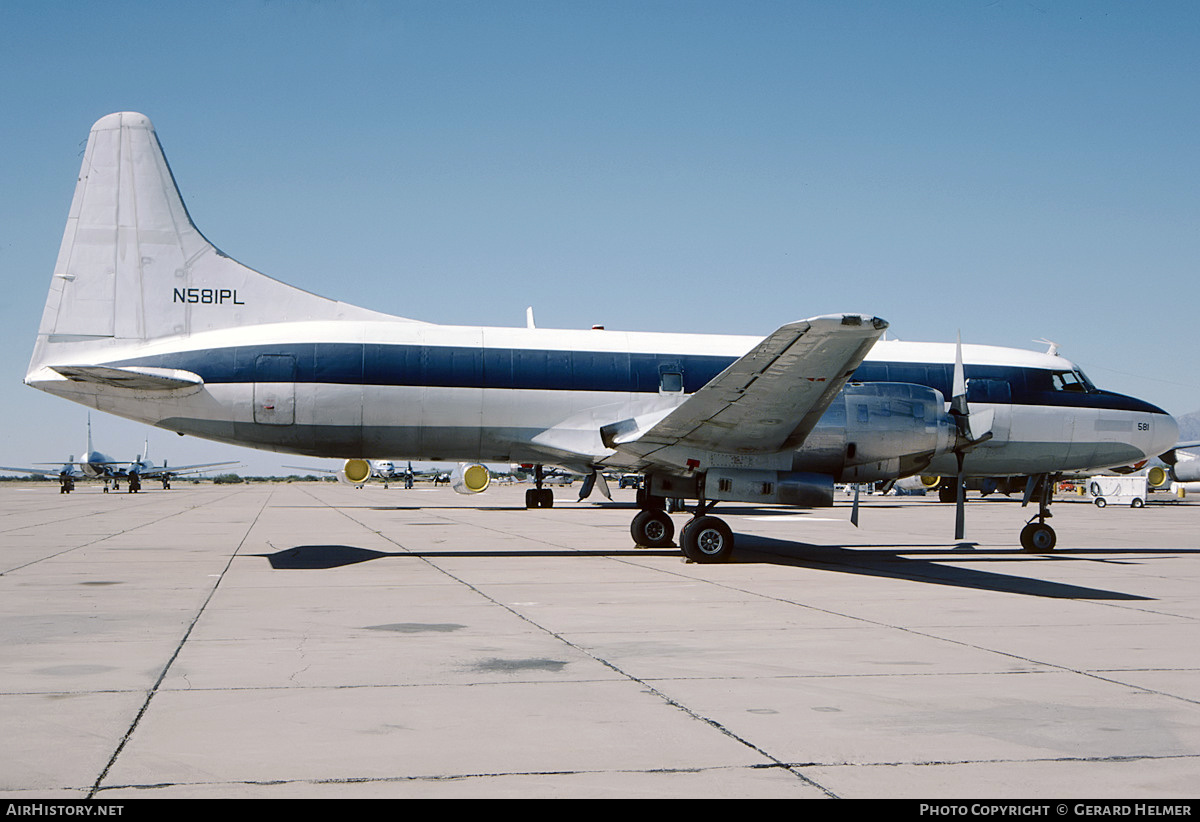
[406,390]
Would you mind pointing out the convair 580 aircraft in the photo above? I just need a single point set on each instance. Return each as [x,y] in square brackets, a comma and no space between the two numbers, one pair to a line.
[148,320]
[97,465]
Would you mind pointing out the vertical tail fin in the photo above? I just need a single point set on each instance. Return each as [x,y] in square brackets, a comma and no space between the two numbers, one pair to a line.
[133,266]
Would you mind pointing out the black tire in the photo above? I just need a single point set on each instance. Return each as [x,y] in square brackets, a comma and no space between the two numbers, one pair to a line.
[706,539]
[1101,502]
[652,529]
[539,498]
[1137,502]
[947,493]
[1038,537]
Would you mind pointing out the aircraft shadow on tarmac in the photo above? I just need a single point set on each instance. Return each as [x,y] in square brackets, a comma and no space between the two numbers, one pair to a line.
[325,557]
[890,563]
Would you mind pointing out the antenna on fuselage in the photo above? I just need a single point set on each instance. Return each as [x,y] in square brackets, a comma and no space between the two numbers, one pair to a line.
[1052,350]
[529,317]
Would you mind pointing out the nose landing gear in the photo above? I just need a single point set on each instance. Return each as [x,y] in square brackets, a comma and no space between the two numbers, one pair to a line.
[1038,537]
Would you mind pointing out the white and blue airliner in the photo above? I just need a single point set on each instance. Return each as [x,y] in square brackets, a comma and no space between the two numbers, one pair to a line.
[148,320]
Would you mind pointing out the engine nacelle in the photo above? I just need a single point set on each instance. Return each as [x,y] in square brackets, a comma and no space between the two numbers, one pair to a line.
[355,472]
[892,430]
[470,478]
[1158,477]
[1187,469]
[1182,489]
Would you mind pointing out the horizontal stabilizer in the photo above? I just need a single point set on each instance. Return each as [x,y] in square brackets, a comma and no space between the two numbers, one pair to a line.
[137,379]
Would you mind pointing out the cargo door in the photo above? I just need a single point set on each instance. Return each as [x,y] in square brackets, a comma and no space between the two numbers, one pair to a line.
[275,389]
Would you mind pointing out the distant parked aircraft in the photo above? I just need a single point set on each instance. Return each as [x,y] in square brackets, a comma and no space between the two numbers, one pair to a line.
[95,465]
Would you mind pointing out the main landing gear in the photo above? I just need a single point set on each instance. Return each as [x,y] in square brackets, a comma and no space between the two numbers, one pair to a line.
[539,497]
[1039,537]
[704,538]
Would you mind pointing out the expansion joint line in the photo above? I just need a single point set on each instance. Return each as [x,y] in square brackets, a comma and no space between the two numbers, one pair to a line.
[96,786]
[98,540]
[674,703]
[1112,679]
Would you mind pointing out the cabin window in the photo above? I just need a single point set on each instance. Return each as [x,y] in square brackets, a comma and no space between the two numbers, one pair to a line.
[670,380]
[988,390]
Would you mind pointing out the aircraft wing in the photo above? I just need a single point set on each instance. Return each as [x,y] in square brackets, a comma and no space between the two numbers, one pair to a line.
[173,470]
[311,469]
[47,472]
[767,401]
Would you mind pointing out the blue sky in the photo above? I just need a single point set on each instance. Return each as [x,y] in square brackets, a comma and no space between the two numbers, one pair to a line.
[1016,170]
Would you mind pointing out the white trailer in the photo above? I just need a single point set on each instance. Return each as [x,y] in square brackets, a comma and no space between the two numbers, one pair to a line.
[1121,490]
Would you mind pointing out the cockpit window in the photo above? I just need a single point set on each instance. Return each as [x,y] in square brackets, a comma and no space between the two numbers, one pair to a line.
[1071,381]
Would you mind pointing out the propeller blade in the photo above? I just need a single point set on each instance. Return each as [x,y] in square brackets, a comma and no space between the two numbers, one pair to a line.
[958,399]
[1030,484]
[960,507]
[854,510]
[589,482]
[973,429]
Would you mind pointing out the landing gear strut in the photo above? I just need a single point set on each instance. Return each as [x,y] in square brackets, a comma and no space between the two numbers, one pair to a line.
[1037,536]
[539,497]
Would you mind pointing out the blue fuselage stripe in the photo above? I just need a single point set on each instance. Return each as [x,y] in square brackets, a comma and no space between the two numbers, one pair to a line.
[600,371]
